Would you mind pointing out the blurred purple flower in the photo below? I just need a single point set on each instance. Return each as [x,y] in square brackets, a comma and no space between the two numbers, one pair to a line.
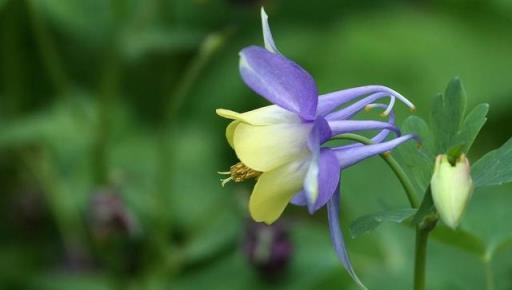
[268,248]
[108,215]
[280,145]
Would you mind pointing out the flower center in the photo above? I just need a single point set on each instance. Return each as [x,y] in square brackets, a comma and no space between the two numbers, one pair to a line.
[239,172]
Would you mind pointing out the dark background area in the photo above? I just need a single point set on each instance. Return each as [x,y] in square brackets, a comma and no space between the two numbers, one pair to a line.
[110,146]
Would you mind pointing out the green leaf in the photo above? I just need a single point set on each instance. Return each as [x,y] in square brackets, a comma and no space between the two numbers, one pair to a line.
[2,3]
[370,222]
[447,115]
[460,239]
[136,44]
[502,245]
[64,121]
[494,167]
[472,125]
[416,125]
[419,160]
[196,250]
[86,19]
[61,281]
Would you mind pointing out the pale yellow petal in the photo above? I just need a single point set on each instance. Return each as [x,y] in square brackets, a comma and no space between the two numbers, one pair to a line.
[275,189]
[264,148]
[230,131]
[262,116]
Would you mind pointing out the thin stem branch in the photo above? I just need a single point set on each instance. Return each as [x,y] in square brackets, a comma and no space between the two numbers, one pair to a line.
[208,48]
[48,50]
[163,227]
[393,164]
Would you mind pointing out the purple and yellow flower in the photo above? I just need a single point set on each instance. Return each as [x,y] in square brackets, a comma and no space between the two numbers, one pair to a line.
[281,145]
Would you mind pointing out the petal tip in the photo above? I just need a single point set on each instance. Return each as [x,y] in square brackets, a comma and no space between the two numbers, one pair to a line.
[228,114]
[267,34]
[263,14]
[220,111]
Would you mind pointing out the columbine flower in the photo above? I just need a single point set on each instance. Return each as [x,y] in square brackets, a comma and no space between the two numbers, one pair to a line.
[280,145]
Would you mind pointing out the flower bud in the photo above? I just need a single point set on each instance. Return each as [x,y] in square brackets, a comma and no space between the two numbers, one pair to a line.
[451,187]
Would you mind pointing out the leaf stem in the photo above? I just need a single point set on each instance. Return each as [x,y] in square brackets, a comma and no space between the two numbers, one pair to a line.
[393,164]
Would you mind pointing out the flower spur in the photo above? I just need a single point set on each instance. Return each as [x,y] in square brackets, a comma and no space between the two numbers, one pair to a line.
[280,144]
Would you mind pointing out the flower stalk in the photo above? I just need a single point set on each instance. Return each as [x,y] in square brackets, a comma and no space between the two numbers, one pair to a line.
[393,164]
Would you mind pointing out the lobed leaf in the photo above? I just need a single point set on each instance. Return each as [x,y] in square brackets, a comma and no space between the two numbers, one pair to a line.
[494,168]
[447,115]
[472,125]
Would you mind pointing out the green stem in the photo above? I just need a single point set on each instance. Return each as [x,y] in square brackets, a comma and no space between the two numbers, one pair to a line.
[13,61]
[422,233]
[489,276]
[107,95]
[393,164]
[420,259]
[208,48]
[49,54]
[108,92]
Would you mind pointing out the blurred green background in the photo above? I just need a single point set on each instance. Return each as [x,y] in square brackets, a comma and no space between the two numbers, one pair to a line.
[109,142]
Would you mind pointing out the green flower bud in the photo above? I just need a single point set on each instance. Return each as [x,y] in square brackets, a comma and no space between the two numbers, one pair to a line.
[451,187]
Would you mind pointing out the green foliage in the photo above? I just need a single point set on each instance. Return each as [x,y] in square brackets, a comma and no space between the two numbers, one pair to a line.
[418,159]
[426,208]
[450,130]
[460,239]
[494,167]
[85,85]
[370,222]
[472,125]
[306,271]
[447,115]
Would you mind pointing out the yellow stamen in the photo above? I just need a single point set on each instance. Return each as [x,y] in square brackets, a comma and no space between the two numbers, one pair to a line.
[239,172]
